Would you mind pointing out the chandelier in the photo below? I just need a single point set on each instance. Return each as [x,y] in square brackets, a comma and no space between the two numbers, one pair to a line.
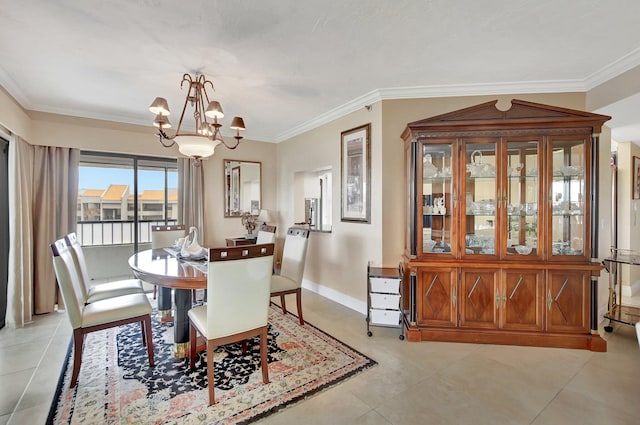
[202,142]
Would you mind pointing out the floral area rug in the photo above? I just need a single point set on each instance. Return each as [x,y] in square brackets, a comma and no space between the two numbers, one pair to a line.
[116,384]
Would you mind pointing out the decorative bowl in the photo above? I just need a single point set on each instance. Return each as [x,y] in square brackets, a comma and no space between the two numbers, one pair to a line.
[523,249]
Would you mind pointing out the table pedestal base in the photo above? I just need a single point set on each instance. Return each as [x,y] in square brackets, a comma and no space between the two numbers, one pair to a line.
[181,350]
[165,316]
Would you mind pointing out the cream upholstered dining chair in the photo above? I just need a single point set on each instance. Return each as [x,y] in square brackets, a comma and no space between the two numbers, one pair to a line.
[237,305]
[289,281]
[101,291]
[266,234]
[164,237]
[98,315]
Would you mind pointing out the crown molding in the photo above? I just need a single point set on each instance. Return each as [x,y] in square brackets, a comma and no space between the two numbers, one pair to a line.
[419,92]
[614,69]
[124,119]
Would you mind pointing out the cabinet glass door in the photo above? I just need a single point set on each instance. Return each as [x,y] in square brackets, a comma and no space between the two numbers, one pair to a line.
[521,194]
[480,198]
[568,197]
[437,205]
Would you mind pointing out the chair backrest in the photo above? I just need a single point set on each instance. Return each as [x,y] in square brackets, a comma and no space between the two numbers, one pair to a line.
[238,289]
[266,234]
[80,263]
[68,282]
[165,236]
[294,254]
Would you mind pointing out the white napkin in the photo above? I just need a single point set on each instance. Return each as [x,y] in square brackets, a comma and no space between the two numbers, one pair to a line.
[191,249]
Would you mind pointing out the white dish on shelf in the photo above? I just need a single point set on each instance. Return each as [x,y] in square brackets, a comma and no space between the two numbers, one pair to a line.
[523,249]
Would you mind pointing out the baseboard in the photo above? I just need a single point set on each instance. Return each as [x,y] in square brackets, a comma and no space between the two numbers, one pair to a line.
[337,296]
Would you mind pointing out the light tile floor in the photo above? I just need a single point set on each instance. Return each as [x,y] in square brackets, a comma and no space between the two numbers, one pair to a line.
[414,383]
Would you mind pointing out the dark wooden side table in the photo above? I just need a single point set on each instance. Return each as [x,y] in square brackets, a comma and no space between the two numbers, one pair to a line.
[240,241]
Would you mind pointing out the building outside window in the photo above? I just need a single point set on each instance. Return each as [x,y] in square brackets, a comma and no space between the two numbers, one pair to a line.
[121,196]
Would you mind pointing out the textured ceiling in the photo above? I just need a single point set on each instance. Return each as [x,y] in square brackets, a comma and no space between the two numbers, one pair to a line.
[281,64]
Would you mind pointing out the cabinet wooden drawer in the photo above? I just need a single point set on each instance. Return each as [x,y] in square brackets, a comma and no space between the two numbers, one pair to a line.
[385,285]
[384,317]
[383,301]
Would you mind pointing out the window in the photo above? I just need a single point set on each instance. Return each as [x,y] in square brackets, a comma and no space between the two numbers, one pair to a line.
[121,196]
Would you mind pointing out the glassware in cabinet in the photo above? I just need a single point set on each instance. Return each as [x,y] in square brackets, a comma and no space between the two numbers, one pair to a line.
[437,197]
[568,197]
[522,197]
[480,198]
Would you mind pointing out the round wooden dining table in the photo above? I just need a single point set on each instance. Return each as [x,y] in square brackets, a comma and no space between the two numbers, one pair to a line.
[161,267]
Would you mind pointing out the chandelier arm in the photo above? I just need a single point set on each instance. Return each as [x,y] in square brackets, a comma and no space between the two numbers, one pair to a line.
[186,77]
[229,146]
[165,140]
[184,107]
[201,107]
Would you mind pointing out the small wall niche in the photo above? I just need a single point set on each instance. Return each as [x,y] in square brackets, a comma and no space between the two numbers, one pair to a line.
[313,199]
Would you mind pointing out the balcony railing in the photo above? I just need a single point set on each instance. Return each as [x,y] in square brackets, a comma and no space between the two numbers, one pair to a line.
[115,232]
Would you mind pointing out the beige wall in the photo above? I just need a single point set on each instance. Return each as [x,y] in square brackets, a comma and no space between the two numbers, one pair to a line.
[613,90]
[336,263]
[217,227]
[13,117]
[95,135]
[628,215]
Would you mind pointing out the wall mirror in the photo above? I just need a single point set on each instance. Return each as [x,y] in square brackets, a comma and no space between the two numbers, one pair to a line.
[242,187]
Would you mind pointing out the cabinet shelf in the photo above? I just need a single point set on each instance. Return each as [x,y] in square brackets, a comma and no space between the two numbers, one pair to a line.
[481,178]
[436,179]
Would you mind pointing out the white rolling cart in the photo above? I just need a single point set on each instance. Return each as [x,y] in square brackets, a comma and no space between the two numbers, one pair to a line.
[384,298]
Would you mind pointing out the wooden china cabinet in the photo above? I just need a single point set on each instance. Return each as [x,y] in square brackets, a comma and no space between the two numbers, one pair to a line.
[501,219]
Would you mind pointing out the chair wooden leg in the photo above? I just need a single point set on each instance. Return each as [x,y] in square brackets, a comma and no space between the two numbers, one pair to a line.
[78,341]
[193,335]
[244,346]
[283,304]
[263,355]
[210,373]
[299,303]
[155,291]
[144,337]
[148,340]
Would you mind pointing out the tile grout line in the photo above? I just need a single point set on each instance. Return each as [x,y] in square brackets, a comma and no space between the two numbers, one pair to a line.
[35,371]
[562,389]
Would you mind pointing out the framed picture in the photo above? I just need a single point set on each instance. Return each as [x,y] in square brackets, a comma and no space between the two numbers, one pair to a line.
[356,175]
[636,178]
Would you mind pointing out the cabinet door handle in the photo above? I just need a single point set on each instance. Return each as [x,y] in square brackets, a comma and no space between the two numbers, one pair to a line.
[549,300]
[497,298]
[504,299]
[453,297]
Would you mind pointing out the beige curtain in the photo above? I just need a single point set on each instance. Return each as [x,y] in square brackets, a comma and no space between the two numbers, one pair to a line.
[191,195]
[56,192]
[20,285]
[43,182]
